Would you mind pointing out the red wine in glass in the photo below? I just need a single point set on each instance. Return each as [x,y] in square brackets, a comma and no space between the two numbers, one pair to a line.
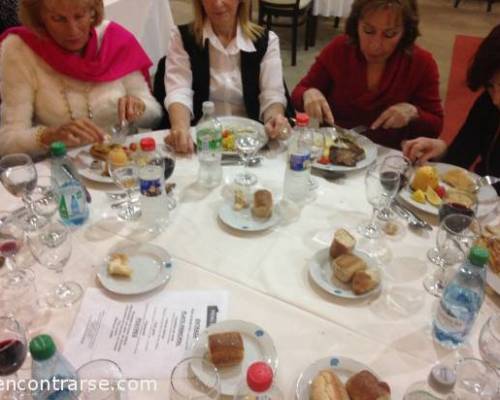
[12,355]
[454,208]
[169,167]
[9,247]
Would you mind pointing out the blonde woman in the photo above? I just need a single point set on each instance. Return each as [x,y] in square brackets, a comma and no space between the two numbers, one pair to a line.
[223,57]
[68,75]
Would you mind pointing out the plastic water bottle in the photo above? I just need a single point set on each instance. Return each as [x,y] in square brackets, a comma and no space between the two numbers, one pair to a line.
[462,298]
[55,376]
[209,143]
[296,185]
[72,203]
[259,384]
[152,186]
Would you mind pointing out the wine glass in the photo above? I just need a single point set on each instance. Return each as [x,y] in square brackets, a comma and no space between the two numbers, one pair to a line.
[316,139]
[381,185]
[126,175]
[247,144]
[401,165]
[456,235]
[194,378]
[12,351]
[475,380]
[44,198]
[51,247]
[489,341]
[18,175]
[106,374]
[168,154]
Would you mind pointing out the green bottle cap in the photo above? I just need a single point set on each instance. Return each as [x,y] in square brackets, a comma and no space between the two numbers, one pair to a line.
[479,255]
[58,149]
[42,347]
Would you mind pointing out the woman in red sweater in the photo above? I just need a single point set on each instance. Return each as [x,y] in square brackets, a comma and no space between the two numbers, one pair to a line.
[374,75]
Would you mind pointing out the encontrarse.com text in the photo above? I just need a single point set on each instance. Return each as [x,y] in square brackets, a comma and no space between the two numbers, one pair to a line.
[79,385]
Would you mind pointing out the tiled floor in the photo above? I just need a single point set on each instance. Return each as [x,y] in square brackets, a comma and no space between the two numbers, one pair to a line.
[439,23]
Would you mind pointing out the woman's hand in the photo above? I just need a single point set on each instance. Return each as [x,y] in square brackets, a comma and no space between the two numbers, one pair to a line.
[75,133]
[396,116]
[277,127]
[422,149]
[316,106]
[180,140]
[130,108]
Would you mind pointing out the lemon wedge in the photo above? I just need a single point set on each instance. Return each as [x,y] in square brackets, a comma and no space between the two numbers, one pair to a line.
[432,197]
[418,196]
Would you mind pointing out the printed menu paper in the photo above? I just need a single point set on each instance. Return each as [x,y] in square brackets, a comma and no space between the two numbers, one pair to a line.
[146,338]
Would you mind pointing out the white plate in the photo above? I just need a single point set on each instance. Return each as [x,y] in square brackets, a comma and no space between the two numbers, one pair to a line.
[343,367]
[151,265]
[84,159]
[487,196]
[238,123]
[258,347]
[370,156]
[322,274]
[493,279]
[243,220]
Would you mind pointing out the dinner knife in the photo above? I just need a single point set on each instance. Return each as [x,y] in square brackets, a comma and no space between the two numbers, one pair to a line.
[410,216]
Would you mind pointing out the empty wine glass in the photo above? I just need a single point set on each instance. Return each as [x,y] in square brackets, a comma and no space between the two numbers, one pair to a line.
[381,184]
[12,352]
[194,378]
[247,144]
[476,380]
[401,165]
[51,247]
[456,235]
[126,176]
[44,198]
[18,175]
[489,341]
[106,374]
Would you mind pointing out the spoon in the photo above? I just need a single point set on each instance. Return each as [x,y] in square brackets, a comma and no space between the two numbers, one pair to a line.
[252,162]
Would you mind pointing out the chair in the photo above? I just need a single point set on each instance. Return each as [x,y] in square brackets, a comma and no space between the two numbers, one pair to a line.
[489,3]
[300,12]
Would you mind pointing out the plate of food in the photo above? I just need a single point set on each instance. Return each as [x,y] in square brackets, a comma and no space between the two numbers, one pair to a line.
[430,182]
[251,213]
[232,346]
[490,239]
[345,272]
[232,127]
[135,269]
[346,152]
[340,378]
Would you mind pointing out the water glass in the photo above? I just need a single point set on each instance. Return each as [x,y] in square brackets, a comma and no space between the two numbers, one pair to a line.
[476,380]
[247,144]
[489,341]
[104,376]
[194,378]
[126,176]
[401,165]
[168,154]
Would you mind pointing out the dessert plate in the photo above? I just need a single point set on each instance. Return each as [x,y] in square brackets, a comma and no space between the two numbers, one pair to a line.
[322,274]
[368,146]
[343,367]
[258,346]
[151,265]
[487,196]
[243,220]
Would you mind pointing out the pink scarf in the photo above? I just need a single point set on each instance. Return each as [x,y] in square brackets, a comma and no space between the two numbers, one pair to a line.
[118,55]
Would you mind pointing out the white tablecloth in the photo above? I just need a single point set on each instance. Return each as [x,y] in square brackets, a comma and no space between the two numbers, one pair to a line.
[332,8]
[266,276]
[149,20]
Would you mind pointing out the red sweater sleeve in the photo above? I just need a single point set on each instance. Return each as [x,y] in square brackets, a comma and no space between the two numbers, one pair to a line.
[427,100]
[319,76]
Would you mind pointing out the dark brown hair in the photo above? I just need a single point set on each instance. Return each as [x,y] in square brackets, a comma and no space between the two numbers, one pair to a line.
[486,61]
[409,13]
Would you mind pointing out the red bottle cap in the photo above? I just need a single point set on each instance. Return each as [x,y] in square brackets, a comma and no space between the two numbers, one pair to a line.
[147,144]
[259,376]
[302,119]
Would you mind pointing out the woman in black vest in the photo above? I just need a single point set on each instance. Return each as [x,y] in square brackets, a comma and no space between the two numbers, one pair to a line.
[480,133]
[225,58]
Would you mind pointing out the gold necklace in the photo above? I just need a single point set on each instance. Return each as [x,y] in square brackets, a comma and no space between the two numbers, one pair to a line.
[64,92]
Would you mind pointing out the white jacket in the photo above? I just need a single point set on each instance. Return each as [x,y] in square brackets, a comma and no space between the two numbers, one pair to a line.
[31,94]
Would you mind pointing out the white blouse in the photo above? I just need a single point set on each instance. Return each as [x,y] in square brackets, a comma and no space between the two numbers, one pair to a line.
[226,89]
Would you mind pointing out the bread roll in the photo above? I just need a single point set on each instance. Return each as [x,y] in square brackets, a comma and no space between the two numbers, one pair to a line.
[100,151]
[226,349]
[346,265]
[118,265]
[364,281]
[365,386]
[262,204]
[343,242]
[327,386]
